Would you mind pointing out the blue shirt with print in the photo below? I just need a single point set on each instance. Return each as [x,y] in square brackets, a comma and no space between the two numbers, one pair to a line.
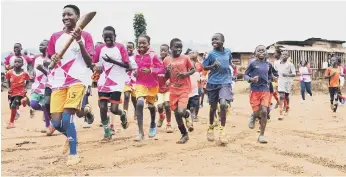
[223,74]
[263,70]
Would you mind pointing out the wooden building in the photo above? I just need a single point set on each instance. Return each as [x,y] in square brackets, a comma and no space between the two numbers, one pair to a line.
[314,50]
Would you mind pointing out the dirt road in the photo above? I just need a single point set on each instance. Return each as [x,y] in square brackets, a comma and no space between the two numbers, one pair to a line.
[308,142]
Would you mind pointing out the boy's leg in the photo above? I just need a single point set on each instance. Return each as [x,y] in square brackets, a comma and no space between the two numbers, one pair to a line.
[115,99]
[282,99]
[139,115]
[302,89]
[134,103]
[152,109]
[167,107]
[160,102]
[127,95]
[14,104]
[308,88]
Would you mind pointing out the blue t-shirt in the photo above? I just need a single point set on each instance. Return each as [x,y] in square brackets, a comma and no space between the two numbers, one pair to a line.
[223,74]
[263,70]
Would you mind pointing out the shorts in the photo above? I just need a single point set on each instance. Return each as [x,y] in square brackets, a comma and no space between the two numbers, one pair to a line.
[47,91]
[112,97]
[258,99]
[70,97]
[176,101]
[193,102]
[333,92]
[129,89]
[15,101]
[285,87]
[38,97]
[216,92]
[162,97]
[150,94]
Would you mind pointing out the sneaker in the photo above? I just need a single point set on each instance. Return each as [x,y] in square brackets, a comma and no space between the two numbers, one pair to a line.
[66,147]
[152,132]
[86,124]
[251,122]
[89,116]
[124,122]
[222,137]
[160,122]
[32,113]
[73,160]
[169,129]
[10,125]
[262,140]
[281,116]
[139,137]
[210,134]
[183,139]
[50,130]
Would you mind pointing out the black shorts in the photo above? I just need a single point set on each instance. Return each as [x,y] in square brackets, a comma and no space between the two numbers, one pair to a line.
[333,93]
[216,92]
[47,91]
[15,101]
[193,102]
[112,97]
[271,88]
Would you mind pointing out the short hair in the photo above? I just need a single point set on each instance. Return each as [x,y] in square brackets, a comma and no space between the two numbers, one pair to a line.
[74,7]
[259,46]
[188,51]
[165,45]
[109,28]
[146,37]
[133,44]
[17,43]
[174,40]
[222,36]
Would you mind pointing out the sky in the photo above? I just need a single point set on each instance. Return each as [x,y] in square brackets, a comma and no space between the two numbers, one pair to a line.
[244,24]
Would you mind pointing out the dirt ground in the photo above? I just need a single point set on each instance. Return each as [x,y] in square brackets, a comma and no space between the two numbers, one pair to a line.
[309,141]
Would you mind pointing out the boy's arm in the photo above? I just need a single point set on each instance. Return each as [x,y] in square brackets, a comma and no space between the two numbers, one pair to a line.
[207,63]
[247,74]
[327,74]
[190,68]
[8,78]
[40,68]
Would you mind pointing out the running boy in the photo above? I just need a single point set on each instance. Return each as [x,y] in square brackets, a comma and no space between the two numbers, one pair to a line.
[286,72]
[17,79]
[147,85]
[163,95]
[38,100]
[219,88]
[259,74]
[112,58]
[193,104]
[129,90]
[179,70]
[333,76]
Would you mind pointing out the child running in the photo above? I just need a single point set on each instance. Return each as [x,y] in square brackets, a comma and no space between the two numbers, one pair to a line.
[113,60]
[286,72]
[193,103]
[163,95]
[259,74]
[68,77]
[333,75]
[179,70]
[38,100]
[129,90]
[219,88]
[305,79]
[147,85]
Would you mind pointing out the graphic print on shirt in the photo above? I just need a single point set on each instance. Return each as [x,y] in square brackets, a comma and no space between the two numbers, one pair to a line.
[113,77]
[40,79]
[132,79]
[71,69]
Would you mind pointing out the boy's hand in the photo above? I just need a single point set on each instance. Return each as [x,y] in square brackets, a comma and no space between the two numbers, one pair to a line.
[254,79]
[216,64]
[55,58]
[181,75]
[169,67]
[76,34]
[98,69]
[146,70]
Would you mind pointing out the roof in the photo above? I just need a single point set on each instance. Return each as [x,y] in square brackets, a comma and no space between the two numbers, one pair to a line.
[306,48]
[308,42]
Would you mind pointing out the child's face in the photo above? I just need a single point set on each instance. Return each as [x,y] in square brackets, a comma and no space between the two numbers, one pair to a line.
[130,48]
[216,41]
[333,61]
[164,52]
[69,17]
[18,62]
[193,55]
[43,46]
[143,44]
[261,52]
[108,37]
[285,56]
[177,48]
[17,49]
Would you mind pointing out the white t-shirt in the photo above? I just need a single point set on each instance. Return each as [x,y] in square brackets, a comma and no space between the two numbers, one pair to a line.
[302,71]
[195,77]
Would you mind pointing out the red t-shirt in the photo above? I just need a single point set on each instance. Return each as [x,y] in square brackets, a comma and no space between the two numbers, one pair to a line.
[181,64]
[17,82]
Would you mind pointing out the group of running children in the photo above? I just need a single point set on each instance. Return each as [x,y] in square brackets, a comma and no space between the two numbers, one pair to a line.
[170,82]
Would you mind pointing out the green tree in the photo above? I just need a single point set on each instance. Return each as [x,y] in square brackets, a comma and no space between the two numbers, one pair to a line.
[139,26]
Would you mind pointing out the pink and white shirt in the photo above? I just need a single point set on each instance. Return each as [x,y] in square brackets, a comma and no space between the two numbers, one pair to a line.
[10,61]
[132,79]
[113,77]
[39,84]
[71,70]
